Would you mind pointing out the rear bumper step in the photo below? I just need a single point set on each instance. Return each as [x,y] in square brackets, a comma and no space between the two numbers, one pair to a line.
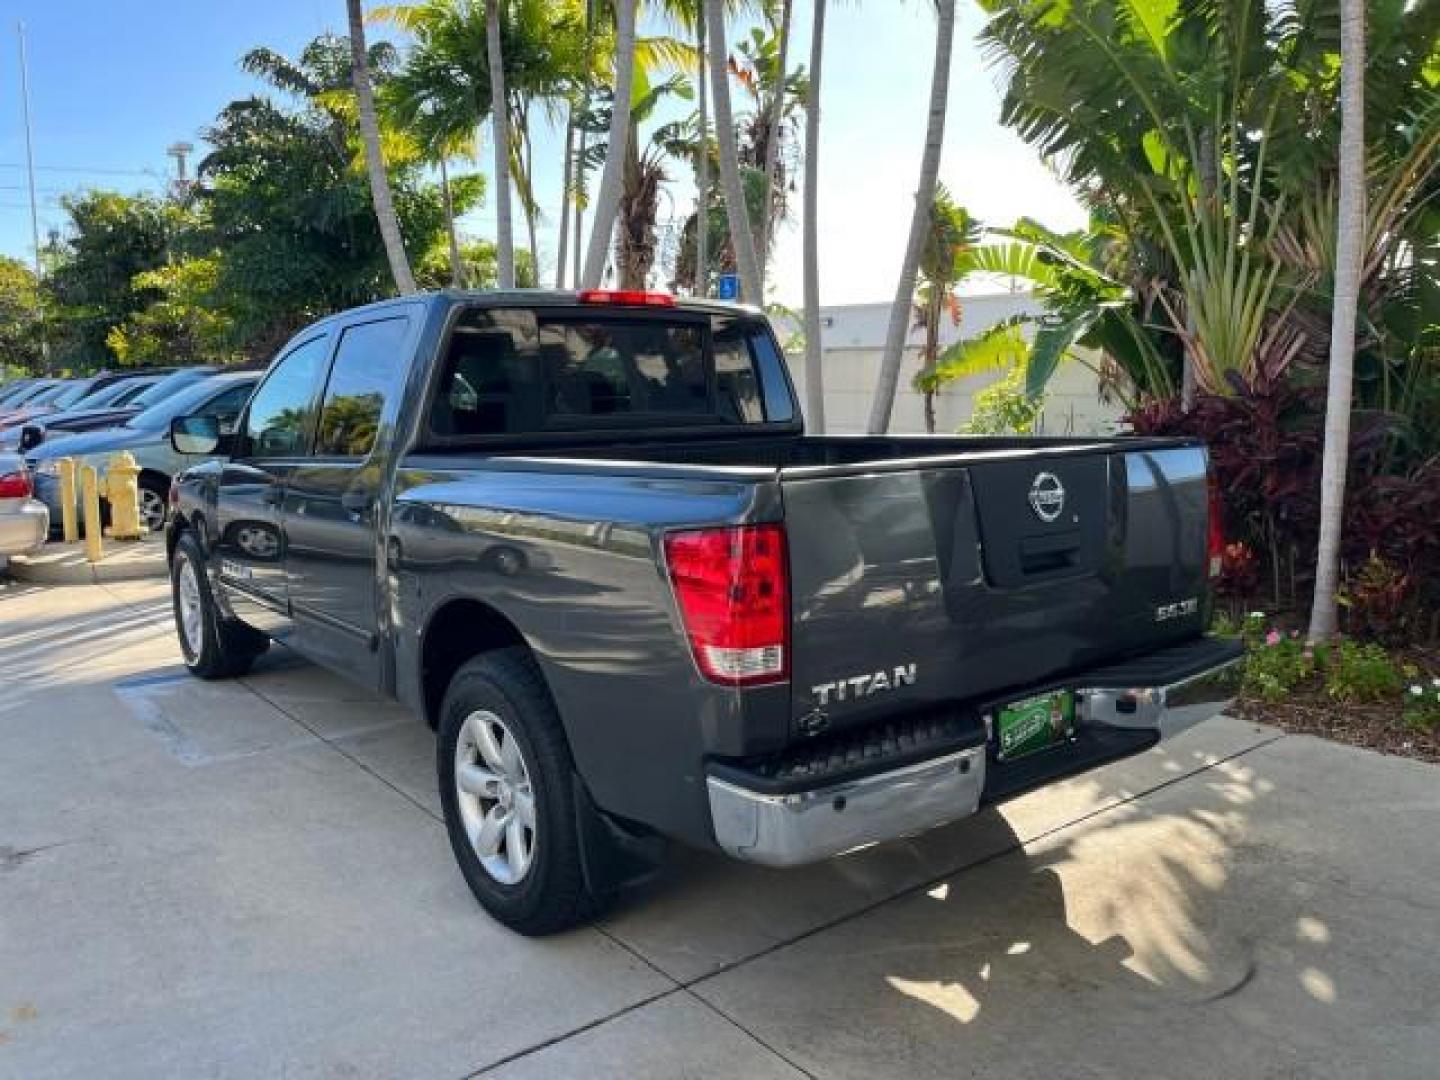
[1158,696]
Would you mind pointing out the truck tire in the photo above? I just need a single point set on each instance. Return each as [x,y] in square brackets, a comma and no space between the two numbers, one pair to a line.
[213,647]
[508,788]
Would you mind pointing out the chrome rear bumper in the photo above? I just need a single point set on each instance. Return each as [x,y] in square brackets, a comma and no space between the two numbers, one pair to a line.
[790,830]
[802,827]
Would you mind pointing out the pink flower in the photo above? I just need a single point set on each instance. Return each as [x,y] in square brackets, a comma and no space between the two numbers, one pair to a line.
[1272,638]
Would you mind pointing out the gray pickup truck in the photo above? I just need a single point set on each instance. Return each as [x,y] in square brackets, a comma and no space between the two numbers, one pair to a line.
[585,536]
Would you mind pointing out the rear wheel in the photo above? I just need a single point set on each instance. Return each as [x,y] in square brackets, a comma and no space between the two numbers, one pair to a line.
[508,788]
[213,647]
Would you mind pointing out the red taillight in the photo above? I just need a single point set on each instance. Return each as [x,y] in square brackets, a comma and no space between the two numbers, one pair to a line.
[15,485]
[1215,535]
[733,588]
[626,298]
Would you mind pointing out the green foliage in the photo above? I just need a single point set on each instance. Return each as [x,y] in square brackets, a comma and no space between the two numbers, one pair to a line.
[1005,408]
[289,203]
[1421,709]
[1356,672]
[1206,134]
[1277,663]
[19,327]
[91,287]
[186,323]
[1085,308]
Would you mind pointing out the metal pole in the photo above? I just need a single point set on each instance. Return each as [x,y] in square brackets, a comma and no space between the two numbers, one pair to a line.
[29,145]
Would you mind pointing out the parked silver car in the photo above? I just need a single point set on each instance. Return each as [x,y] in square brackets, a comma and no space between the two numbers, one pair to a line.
[24,520]
[146,436]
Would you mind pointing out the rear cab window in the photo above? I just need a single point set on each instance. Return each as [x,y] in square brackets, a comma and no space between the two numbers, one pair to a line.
[510,371]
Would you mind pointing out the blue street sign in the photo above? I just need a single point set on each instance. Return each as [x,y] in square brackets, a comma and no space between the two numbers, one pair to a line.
[729,287]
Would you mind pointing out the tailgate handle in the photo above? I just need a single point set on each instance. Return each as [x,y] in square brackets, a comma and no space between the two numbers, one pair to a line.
[1046,554]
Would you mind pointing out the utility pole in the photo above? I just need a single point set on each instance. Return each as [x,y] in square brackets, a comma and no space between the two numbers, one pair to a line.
[34,212]
[29,145]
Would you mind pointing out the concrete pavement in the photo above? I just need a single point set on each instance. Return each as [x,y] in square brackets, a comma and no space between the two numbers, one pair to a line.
[249,879]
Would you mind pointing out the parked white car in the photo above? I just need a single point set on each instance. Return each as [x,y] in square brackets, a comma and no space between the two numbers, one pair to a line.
[24,520]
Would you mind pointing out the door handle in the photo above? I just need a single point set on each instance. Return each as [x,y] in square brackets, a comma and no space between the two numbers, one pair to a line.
[273,496]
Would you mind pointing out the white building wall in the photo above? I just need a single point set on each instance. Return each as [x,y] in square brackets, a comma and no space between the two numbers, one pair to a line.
[854,337]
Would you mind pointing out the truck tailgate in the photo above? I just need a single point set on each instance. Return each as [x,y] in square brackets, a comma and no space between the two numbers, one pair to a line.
[957,582]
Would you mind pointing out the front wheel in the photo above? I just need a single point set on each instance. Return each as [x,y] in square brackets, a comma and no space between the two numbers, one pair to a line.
[507,785]
[213,647]
[154,506]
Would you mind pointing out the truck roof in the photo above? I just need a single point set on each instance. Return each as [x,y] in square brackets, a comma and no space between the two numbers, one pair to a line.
[536,297]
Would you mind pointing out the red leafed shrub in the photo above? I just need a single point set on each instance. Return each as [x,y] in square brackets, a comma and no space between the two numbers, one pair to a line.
[1265,445]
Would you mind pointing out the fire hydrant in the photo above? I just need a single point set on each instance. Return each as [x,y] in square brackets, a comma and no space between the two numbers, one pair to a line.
[121,487]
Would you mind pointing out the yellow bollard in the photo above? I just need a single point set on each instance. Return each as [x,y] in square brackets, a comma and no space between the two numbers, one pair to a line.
[90,490]
[70,526]
[122,489]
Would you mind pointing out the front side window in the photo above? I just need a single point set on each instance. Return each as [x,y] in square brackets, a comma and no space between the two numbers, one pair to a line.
[367,367]
[279,421]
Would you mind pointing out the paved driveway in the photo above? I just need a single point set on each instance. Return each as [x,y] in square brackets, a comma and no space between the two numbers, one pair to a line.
[249,879]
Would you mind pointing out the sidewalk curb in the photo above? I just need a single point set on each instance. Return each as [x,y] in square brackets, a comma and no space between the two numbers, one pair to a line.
[65,564]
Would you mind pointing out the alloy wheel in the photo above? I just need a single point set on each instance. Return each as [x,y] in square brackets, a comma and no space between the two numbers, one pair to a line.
[495,797]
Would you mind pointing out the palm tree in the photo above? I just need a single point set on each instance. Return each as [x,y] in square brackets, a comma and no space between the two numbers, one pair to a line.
[500,120]
[889,378]
[374,160]
[810,237]
[702,168]
[612,179]
[742,238]
[944,263]
[1350,245]
[457,265]
[772,143]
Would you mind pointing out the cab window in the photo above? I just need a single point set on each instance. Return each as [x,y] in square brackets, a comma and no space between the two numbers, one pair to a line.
[278,424]
[368,365]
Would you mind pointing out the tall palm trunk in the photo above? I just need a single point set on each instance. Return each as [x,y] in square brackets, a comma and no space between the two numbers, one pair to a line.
[889,378]
[526,155]
[457,272]
[500,122]
[772,141]
[702,171]
[742,238]
[612,179]
[933,310]
[374,160]
[810,240]
[565,191]
[1349,252]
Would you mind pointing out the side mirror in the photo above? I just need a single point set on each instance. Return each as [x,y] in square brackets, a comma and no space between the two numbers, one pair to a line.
[31,436]
[195,434]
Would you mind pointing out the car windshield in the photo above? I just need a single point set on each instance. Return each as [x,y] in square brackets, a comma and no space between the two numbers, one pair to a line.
[170,384]
[105,395]
[48,395]
[159,415]
[130,391]
[71,393]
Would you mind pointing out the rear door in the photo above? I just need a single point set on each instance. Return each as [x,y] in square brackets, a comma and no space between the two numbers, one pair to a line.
[272,441]
[332,498]
[924,585]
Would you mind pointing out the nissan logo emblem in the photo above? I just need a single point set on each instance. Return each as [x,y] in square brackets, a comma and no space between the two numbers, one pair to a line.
[1047,496]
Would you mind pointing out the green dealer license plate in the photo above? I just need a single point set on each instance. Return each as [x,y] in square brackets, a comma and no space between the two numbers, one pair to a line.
[1025,727]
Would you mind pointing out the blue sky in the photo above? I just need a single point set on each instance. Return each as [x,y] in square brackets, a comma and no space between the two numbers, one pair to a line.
[113,84]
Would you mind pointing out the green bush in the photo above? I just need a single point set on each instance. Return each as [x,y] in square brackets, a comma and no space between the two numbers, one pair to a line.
[1361,673]
[1422,706]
